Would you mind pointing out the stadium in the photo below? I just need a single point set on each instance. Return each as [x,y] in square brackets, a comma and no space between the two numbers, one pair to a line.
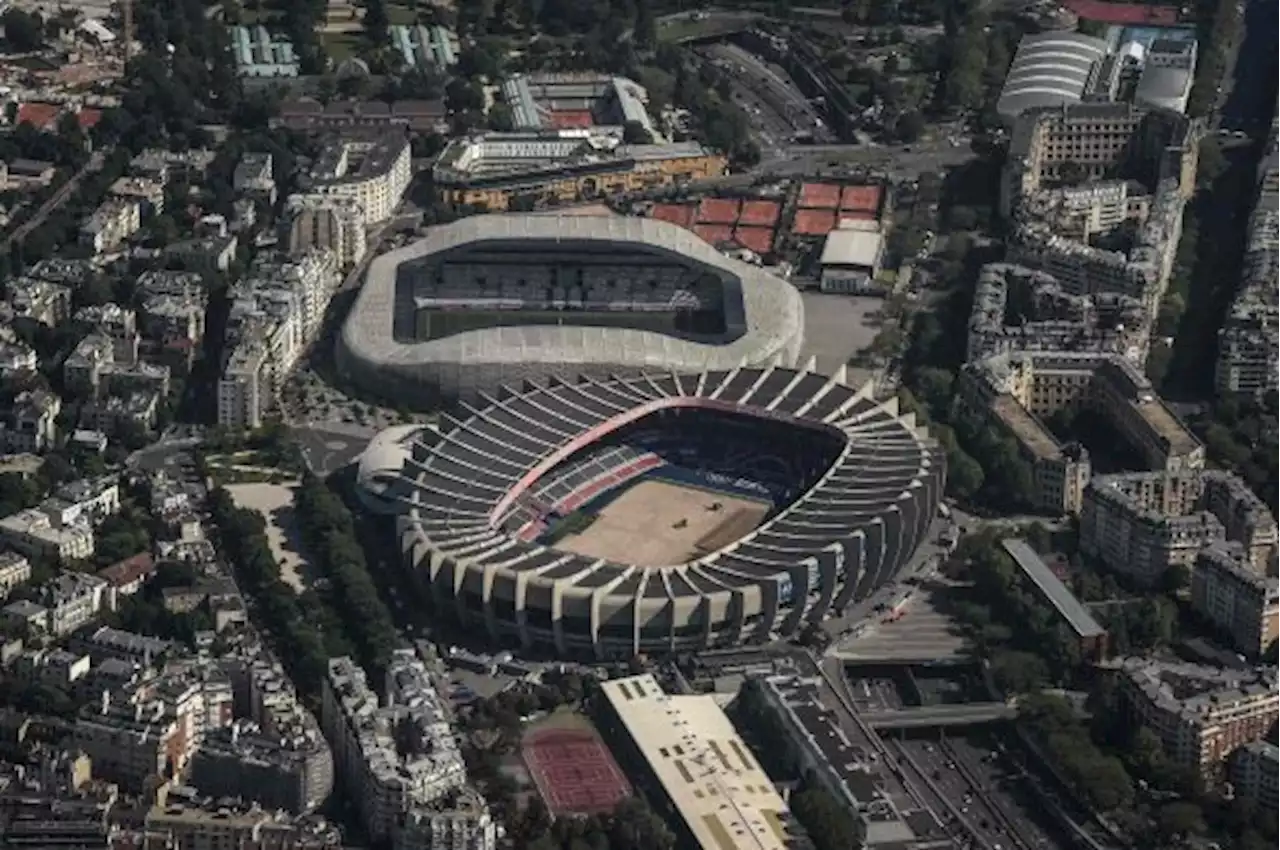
[658,513]
[500,299]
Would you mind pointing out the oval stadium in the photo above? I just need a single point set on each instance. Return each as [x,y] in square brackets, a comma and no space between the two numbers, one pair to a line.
[658,513]
[499,299]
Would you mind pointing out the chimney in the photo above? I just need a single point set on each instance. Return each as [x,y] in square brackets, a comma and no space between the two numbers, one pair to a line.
[106,701]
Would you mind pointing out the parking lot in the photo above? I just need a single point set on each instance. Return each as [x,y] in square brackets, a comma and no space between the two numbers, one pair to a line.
[837,326]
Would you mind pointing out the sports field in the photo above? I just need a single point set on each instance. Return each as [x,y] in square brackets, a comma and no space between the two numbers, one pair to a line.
[658,523]
[573,770]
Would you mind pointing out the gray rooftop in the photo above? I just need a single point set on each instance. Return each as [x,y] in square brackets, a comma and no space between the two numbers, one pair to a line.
[1062,599]
[1049,69]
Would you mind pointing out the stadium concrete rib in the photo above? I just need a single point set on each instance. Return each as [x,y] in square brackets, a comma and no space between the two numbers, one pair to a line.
[459,490]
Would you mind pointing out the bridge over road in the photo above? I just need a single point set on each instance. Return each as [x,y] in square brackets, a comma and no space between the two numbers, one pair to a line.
[936,716]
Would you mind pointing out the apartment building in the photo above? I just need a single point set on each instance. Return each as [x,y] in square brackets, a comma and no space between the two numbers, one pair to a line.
[374,173]
[396,757]
[1255,774]
[463,822]
[1201,714]
[1098,138]
[1141,523]
[1016,308]
[111,224]
[1248,342]
[15,569]
[1230,593]
[211,825]
[1016,392]
[334,223]
[15,355]
[148,730]
[276,312]
[527,169]
[147,192]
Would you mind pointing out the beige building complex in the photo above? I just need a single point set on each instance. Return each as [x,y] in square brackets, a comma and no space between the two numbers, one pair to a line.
[1017,392]
[530,169]
[1139,524]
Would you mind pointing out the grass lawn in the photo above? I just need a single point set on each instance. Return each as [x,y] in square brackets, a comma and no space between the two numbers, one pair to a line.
[342,45]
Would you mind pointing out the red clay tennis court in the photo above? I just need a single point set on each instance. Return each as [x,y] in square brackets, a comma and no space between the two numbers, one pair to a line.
[574,772]
[759,213]
[860,198]
[819,196]
[814,222]
[714,233]
[717,211]
[681,214]
[758,239]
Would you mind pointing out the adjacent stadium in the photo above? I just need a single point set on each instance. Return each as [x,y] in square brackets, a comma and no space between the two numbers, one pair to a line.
[500,299]
[661,512]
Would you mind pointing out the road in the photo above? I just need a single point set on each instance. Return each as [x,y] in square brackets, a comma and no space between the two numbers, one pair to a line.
[55,200]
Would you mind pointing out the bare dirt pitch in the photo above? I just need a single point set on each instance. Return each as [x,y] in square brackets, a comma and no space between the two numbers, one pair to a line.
[657,523]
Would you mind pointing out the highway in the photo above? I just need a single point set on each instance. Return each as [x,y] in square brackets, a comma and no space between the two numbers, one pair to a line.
[936,716]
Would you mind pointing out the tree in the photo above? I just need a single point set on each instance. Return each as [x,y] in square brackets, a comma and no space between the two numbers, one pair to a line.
[1018,672]
[376,22]
[635,133]
[964,475]
[1179,820]
[23,31]
[1176,578]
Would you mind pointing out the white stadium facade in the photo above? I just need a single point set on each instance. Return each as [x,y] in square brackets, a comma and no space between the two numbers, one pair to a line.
[846,489]
[501,299]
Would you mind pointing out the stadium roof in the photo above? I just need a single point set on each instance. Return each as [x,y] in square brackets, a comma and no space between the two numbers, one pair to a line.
[505,447]
[1049,69]
[706,770]
[773,314]
[1057,594]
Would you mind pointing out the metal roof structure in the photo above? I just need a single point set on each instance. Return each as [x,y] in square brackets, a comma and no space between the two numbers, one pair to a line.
[1052,588]
[1049,69]
[768,320]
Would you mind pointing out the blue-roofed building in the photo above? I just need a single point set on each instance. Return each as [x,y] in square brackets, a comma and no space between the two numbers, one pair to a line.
[258,53]
[425,47]
[1091,635]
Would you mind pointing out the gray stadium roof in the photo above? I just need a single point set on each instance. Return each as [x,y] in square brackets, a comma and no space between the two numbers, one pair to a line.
[884,459]
[772,310]
[1049,69]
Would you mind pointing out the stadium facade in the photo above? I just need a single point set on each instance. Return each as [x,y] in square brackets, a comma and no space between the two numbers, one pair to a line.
[500,299]
[851,486]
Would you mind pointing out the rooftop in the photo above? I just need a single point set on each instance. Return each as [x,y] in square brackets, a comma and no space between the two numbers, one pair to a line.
[1062,599]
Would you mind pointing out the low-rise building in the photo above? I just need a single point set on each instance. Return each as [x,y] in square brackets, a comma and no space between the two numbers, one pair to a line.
[32,423]
[128,577]
[74,599]
[39,301]
[36,533]
[15,569]
[253,176]
[258,53]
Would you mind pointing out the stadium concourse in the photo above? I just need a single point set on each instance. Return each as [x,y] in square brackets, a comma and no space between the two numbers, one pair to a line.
[500,299]
[756,500]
